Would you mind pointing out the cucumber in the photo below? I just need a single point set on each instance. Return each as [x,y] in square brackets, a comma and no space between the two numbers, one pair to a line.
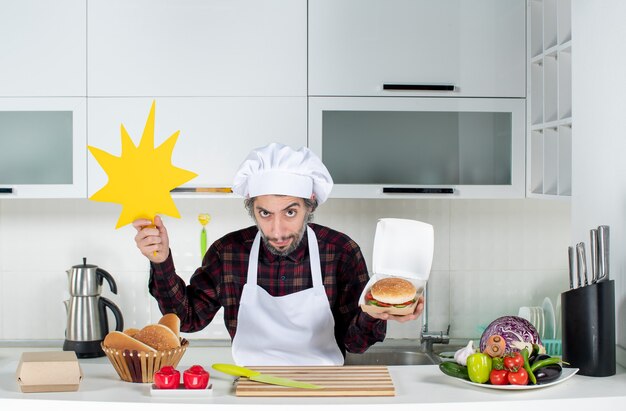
[453,369]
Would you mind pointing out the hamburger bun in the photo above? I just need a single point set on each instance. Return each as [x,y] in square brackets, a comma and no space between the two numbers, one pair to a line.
[391,295]
[172,322]
[158,337]
[120,341]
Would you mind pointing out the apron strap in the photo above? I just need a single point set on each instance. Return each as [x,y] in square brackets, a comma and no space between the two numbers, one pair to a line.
[314,258]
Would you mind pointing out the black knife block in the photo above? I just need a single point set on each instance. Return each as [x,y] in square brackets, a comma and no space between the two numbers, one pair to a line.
[588,319]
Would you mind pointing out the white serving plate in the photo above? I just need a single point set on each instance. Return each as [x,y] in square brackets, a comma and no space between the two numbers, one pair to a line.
[565,375]
[181,392]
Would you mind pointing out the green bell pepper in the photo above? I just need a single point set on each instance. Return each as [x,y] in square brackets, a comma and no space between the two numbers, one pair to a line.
[479,367]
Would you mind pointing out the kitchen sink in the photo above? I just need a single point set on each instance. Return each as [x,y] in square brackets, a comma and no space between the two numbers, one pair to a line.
[389,356]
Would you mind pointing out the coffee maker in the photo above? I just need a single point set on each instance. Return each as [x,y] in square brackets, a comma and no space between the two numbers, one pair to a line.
[87,322]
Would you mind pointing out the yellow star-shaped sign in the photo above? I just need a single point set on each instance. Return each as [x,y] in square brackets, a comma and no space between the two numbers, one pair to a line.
[142,177]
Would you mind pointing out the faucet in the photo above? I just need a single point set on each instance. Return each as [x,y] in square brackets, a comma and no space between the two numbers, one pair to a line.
[428,338]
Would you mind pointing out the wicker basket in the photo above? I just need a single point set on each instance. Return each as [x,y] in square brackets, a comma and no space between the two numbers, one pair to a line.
[140,366]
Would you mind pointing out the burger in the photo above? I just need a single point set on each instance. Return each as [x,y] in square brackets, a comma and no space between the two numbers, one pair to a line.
[391,295]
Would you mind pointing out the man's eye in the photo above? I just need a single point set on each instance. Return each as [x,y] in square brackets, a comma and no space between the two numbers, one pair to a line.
[264,213]
[291,213]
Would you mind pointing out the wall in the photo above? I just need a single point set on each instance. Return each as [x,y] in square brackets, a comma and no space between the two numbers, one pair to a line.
[491,257]
[598,139]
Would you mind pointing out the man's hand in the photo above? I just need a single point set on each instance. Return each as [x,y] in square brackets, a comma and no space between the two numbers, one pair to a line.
[403,318]
[152,239]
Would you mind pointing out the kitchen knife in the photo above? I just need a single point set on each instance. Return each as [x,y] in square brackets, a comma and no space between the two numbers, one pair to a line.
[238,371]
[572,267]
[603,253]
[582,264]
[594,255]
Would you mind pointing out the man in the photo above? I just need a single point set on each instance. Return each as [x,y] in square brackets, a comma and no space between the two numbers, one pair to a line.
[289,288]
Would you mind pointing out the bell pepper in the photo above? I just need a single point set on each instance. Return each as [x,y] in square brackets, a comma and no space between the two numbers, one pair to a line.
[479,367]
[167,378]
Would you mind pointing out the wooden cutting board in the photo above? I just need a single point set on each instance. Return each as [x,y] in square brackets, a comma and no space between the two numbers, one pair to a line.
[344,381]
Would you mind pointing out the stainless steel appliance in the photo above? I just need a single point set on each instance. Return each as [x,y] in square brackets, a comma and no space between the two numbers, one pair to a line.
[87,322]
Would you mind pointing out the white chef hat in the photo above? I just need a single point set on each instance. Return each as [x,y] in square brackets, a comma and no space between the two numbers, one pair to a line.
[279,169]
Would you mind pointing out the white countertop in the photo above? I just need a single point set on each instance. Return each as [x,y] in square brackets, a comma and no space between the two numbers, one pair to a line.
[424,385]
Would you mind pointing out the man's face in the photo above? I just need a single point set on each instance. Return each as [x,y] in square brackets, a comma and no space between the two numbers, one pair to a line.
[282,221]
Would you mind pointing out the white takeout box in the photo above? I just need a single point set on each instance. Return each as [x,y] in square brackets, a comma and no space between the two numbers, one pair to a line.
[48,371]
[402,248]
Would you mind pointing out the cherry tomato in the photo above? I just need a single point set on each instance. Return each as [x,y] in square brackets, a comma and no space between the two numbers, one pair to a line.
[513,362]
[167,378]
[499,377]
[520,377]
[196,378]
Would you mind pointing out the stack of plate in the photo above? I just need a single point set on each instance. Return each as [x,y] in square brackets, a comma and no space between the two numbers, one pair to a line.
[542,318]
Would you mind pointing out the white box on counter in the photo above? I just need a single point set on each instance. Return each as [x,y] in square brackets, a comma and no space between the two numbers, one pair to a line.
[49,371]
[402,248]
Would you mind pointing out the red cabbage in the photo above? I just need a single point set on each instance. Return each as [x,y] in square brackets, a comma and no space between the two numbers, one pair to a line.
[515,331]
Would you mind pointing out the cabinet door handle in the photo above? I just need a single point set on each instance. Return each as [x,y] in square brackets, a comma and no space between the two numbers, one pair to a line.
[415,190]
[5,190]
[202,190]
[423,87]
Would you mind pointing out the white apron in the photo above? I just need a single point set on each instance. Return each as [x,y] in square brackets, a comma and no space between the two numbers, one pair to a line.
[295,329]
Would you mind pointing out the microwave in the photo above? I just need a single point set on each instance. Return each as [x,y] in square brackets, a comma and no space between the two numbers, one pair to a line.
[43,147]
[414,147]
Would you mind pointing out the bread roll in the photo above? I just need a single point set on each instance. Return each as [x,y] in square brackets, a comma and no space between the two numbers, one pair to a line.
[131,331]
[172,322]
[120,341]
[158,336]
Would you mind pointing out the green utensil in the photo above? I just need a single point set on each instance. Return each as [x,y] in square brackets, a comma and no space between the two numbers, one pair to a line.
[238,371]
[204,219]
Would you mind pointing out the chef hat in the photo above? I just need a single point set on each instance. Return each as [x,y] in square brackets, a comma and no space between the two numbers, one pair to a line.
[279,169]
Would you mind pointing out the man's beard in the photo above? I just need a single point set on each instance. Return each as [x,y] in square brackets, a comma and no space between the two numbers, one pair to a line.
[297,239]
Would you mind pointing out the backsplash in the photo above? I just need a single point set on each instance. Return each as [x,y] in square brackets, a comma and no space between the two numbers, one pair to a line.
[491,257]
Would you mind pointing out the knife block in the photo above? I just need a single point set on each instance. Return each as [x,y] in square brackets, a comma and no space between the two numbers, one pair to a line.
[588,318]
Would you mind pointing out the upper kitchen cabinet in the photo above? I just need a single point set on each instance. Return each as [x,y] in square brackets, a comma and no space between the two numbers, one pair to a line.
[417,48]
[197,48]
[43,48]
[216,133]
[43,147]
[408,147]
[549,141]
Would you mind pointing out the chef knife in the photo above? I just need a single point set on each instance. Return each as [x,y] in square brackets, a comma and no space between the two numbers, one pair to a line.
[582,264]
[603,253]
[238,371]
[572,267]
[594,255]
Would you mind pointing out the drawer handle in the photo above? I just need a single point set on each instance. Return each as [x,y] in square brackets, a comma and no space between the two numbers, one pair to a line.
[423,87]
[202,190]
[5,190]
[414,190]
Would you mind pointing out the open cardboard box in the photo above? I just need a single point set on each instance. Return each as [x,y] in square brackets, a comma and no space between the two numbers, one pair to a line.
[402,248]
[48,371]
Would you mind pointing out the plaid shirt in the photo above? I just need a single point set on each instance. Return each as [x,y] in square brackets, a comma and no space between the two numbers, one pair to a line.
[220,280]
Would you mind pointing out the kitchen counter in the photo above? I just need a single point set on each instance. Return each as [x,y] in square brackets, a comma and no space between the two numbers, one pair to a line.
[424,385]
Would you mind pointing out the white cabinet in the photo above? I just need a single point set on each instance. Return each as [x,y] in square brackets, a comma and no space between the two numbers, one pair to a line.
[358,46]
[549,166]
[43,147]
[409,147]
[197,48]
[216,133]
[43,48]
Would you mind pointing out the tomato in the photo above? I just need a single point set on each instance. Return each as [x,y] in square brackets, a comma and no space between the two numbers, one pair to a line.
[167,378]
[520,377]
[498,377]
[513,362]
[196,378]
[479,367]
